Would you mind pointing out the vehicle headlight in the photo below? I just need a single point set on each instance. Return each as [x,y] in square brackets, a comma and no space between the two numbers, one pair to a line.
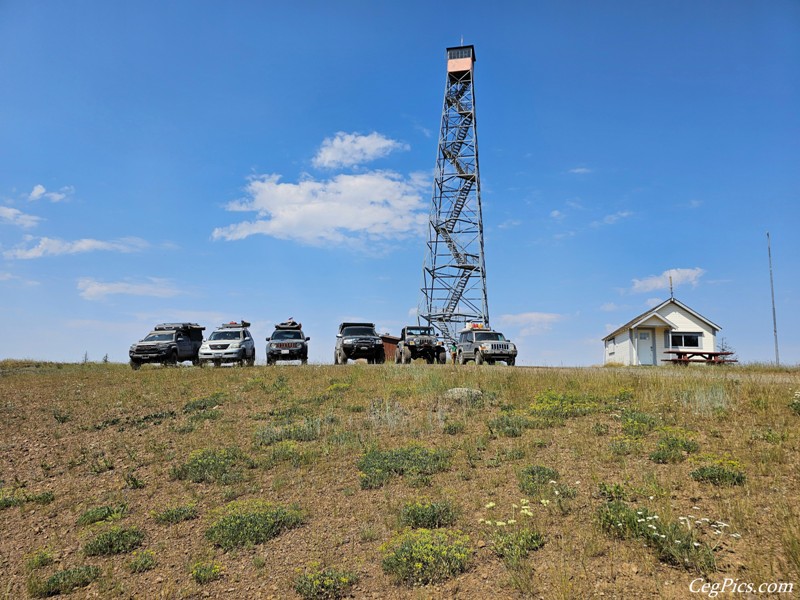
[484,346]
[379,342]
[411,342]
[204,347]
[234,345]
[350,341]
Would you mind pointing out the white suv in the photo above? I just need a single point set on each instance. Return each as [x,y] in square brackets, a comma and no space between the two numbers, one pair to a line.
[230,342]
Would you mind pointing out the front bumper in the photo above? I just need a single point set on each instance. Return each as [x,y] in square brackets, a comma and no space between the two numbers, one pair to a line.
[156,355]
[221,356]
[362,350]
[287,353]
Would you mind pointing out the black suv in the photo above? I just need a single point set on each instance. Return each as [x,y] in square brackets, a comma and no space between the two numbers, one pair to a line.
[168,343]
[484,345]
[287,342]
[358,340]
[419,342]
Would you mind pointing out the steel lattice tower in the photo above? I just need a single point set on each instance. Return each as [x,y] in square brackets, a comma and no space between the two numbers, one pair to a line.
[454,273]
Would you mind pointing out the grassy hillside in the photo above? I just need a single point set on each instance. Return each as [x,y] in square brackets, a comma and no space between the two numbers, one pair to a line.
[378,481]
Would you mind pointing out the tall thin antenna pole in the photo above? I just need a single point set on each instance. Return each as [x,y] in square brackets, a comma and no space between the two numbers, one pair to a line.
[772,290]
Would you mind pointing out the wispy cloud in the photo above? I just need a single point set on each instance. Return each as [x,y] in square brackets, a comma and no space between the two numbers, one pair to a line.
[56,247]
[557,215]
[580,170]
[350,149]
[613,218]
[661,282]
[91,289]
[13,216]
[610,307]
[39,192]
[531,323]
[345,210]
[509,223]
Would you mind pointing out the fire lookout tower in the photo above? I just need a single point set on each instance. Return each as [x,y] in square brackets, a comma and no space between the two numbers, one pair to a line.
[454,272]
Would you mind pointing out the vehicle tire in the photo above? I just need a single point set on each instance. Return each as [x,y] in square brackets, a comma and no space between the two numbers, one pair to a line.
[478,358]
[430,360]
[461,359]
[441,358]
[217,363]
[251,362]
[196,362]
[397,356]
[407,358]
[303,360]
[380,357]
[510,362]
[135,365]
[342,357]
[173,358]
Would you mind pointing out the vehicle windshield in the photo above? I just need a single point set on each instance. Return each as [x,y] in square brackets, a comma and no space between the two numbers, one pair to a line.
[160,337]
[489,336]
[355,331]
[225,335]
[419,331]
[287,334]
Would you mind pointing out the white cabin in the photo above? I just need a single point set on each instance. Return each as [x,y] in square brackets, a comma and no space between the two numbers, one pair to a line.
[669,326]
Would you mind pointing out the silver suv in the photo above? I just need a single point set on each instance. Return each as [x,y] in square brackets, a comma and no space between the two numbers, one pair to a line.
[230,342]
[484,345]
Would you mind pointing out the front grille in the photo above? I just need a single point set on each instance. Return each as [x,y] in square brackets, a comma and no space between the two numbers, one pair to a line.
[500,347]
[218,346]
[286,345]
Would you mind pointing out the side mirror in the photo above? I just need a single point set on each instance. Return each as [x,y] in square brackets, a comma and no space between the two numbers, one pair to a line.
[308,338]
[268,339]
[338,335]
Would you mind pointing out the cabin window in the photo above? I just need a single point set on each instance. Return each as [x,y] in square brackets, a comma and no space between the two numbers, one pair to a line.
[612,345]
[686,340]
[459,53]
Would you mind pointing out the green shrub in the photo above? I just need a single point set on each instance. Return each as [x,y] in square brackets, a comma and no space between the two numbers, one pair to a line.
[325,584]
[142,561]
[514,545]
[673,543]
[422,556]
[102,513]
[794,405]
[378,466]
[62,582]
[10,500]
[307,431]
[600,429]
[203,573]
[38,559]
[719,475]
[508,425]
[207,403]
[247,522]
[623,445]
[534,478]
[564,405]
[428,515]
[176,514]
[214,465]
[673,448]
[117,540]
[454,428]
[613,491]
[636,423]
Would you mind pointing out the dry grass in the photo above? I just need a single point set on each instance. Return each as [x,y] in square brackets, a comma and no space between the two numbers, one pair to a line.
[59,424]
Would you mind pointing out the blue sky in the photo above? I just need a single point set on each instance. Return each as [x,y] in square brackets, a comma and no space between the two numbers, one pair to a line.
[211,161]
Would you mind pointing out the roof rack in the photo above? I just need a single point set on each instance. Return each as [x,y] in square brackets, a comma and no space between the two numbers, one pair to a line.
[176,326]
[291,324]
[235,325]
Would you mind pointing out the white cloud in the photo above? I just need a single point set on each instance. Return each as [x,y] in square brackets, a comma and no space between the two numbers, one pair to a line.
[509,223]
[557,215]
[531,323]
[661,282]
[652,302]
[350,149]
[39,192]
[611,219]
[91,289]
[55,247]
[580,171]
[346,210]
[6,276]
[12,216]
[609,307]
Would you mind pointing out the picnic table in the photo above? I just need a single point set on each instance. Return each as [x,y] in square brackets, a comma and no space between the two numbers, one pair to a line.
[684,357]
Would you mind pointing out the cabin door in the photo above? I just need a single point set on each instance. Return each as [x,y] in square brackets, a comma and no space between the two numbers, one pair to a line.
[645,347]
